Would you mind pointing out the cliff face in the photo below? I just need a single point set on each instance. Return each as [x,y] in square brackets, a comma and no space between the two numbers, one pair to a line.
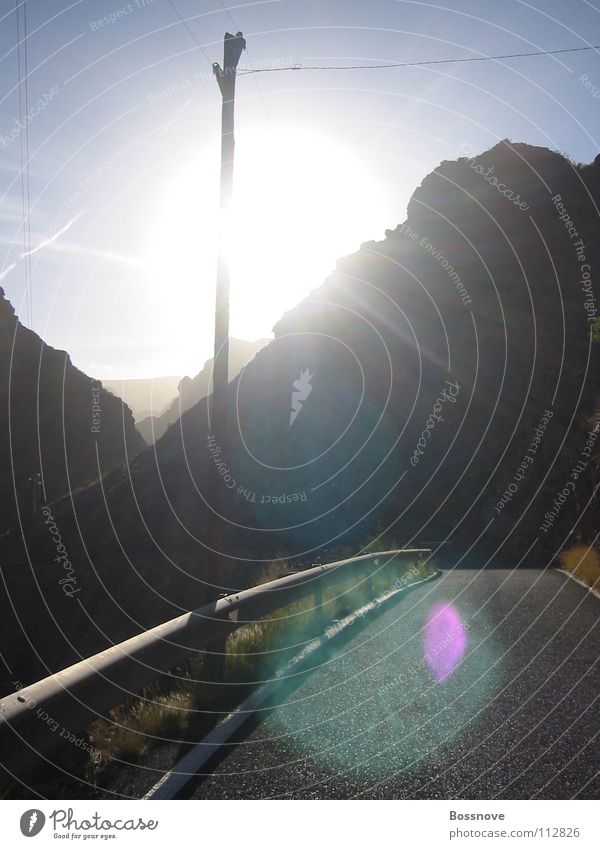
[59,428]
[440,383]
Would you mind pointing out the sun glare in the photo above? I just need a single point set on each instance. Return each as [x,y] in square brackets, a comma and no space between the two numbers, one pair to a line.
[300,202]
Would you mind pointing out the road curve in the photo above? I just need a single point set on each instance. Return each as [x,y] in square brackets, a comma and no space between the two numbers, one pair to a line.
[479,685]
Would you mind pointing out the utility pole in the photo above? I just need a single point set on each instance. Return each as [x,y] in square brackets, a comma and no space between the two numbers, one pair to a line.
[35,483]
[233,46]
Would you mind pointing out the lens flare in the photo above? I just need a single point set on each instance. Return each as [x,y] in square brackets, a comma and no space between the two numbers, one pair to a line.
[445,640]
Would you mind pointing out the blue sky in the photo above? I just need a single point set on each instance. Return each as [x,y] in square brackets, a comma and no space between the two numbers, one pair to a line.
[123,150]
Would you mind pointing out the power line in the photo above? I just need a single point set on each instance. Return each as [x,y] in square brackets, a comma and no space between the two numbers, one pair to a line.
[184,22]
[27,181]
[229,15]
[300,67]
[24,204]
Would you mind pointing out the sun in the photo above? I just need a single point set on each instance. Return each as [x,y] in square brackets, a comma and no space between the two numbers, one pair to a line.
[301,200]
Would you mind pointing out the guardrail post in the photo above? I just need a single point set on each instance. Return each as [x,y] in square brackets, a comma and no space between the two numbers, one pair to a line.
[370,583]
[319,602]
[214,659]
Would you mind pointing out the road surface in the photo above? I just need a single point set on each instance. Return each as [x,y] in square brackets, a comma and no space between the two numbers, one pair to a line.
[478,685]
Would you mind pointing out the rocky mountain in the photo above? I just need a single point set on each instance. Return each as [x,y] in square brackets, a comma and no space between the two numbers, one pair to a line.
[193,389]
[441,384]
[145,396]
[59,430]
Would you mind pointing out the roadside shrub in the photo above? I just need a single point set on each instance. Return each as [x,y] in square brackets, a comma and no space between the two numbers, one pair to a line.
[583,562]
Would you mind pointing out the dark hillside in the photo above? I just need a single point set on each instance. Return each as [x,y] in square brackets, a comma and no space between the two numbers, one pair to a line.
[59,430]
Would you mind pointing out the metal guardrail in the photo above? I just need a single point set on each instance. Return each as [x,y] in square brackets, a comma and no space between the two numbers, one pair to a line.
[80,694]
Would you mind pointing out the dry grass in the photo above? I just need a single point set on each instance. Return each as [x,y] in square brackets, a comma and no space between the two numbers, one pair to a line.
[256,650]
[272,571]
[135,729]
[583,562]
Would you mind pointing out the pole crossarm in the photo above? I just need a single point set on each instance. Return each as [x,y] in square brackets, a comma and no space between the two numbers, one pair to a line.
[233,47]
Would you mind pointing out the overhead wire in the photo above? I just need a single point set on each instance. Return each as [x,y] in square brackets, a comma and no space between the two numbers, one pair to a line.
[384,65]
[185,24]
[27,170]
[24,203]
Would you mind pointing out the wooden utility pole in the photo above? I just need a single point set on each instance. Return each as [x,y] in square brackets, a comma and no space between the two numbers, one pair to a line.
[233,45]
[35,482]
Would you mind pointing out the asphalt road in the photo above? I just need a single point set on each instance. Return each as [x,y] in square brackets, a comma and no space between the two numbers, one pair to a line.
[478,685]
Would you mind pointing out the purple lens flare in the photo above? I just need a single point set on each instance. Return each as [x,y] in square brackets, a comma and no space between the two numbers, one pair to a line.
[445,640]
